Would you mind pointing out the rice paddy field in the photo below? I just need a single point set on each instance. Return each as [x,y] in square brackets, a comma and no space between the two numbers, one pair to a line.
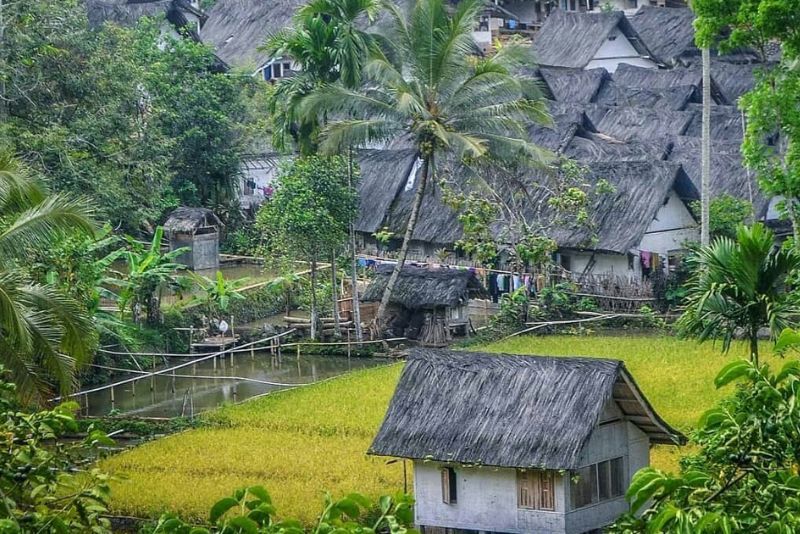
[304,442]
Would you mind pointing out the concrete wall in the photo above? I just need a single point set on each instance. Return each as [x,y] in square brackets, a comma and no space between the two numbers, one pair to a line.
[615,50]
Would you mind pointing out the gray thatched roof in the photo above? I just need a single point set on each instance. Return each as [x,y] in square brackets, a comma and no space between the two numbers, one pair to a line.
[655,79]
[588,146]
[627,124]
[508,411]
[571,39]
[188,220]
[667,33]
[129,12]
[728,175]
[573,85]
[236,28]
[567,119]
[726,122]
[421,288]
[671,98]
[384,174]
[734,80]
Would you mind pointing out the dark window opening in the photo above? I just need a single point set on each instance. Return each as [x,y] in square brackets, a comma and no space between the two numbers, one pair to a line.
[449,489]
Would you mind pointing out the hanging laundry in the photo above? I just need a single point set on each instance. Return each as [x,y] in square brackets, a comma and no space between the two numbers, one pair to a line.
[516,282]
[645,257]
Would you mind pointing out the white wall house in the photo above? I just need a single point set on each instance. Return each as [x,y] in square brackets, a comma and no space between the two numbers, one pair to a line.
[519,444]
[616,49]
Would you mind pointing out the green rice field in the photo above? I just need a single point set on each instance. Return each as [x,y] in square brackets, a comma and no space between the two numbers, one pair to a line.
[303,442]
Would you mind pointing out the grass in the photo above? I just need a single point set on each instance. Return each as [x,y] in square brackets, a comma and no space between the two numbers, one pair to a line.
[303,442]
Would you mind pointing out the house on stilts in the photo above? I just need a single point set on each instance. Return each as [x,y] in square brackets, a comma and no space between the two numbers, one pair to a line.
[519,444]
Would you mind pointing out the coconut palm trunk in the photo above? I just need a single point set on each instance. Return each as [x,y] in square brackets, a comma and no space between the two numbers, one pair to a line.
[314,314]
[356,305]
[705,176]
[401,259]
[337,328]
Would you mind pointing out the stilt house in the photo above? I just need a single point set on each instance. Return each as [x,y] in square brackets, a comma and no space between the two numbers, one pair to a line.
[519,444]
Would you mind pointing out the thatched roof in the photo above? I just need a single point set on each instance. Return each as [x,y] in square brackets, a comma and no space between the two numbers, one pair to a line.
[420,288]
[671,98]
[567,119]
[588,146]
[571,39]
[237,28]
[572,85]
[508,411]
[726,122]
[734,80]
[654,79]
[384,174]
[628,124]
[667,33]
[728,175]
[188,220]
[128,12]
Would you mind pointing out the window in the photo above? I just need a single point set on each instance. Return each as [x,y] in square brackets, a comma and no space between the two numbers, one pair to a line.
[535,489]
[277,70]
[449,493]
[566,262]
[597,483]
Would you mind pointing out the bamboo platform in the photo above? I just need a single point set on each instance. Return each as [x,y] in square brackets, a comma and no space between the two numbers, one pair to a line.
[218,342]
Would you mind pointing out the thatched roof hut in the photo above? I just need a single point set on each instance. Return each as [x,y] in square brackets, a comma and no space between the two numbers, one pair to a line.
[726,123]
[508,411]
[627,124]
[128,12]
[588,146]
[185,220]
[425,288]
[654,79]
[667,33]
[383,174]
[670,98]
[571,39]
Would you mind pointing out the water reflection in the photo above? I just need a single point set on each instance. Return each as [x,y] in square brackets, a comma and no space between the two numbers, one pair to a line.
[199,387]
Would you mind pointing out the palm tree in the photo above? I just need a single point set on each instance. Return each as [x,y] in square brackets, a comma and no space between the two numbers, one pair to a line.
[433,91]
[44,334]
[740,286]
[705,156]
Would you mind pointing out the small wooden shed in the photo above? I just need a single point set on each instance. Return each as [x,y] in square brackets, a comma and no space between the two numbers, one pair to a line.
[198,229]
[426,303]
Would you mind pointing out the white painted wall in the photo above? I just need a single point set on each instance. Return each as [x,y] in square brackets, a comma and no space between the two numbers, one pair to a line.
[615,50]
[670,230]
[487,497]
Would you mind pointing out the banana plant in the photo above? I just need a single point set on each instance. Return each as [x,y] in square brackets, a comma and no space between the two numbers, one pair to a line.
[218,293]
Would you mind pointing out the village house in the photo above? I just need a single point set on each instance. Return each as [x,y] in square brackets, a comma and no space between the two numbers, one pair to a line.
[181,17]
[197,230]
[519,444]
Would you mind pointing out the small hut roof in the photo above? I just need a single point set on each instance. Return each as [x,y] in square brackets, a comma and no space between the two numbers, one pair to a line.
[189,220]
[237,28]
[728,175]
[128,12]
[571,39]
[419,287]
[667,33]
[653,79]
[670,98]
[573,85]
[506,410]
[733,79]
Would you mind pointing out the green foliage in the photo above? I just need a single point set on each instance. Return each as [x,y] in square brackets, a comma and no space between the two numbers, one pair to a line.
[218,292]
[39,488]
[250,511]
[149,271]
[740,285]
[726,213]
[513,311]
[46,334]
[557,301]
[744,477]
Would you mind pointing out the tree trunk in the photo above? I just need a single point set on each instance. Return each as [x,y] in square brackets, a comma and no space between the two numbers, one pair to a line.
[754,345]
[356,305]
[314,317]
[791,205]
[706,150]
[337,328]
[401,259]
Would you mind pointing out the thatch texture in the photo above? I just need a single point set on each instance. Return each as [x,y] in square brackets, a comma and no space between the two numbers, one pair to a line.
[726,123]
[423,288]
[728,175]
[588,146]
[573,85]
[620,219]
[186,220]
[667,33]
[734,80]
[384,174]
[654,79]
[506,410]
[237,28]
[567,119]
[628,124]
[571,39]
[129,12]
[671,98]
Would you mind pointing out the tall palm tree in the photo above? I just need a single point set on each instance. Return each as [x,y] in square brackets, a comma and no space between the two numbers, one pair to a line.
[705,156]
[44,335]
[740,286]
[431,89]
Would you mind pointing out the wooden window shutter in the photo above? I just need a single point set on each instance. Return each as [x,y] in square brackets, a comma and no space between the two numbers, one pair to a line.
[449,494]
[535,490]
